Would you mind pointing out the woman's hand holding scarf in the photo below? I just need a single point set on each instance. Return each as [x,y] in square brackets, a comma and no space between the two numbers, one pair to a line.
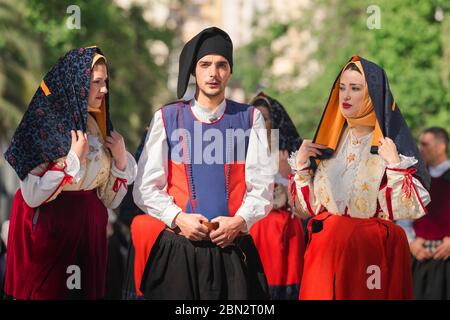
[116,144]
[308,149]
[388,151]
[79,144]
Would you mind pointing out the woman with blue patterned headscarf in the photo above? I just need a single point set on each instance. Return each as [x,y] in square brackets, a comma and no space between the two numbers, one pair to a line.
[279,236]
[72,166]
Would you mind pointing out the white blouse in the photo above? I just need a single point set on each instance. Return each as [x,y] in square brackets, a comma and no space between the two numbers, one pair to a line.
[150,193]
[350,183]
[44,183]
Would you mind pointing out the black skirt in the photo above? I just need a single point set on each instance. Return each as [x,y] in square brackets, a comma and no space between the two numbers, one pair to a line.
[180,269]
[431,279]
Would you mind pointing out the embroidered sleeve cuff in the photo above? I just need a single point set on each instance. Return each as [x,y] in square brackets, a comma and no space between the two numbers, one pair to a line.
[130,170]
[293,163]
[405,163]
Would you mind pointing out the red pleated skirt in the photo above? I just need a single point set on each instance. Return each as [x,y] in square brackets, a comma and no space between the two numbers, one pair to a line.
[351,258]
[58,250]
[280,241]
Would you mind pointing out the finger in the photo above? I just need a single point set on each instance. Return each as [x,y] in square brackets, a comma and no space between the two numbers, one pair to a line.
[225,244]
[437,254]
[216,234]
[74,136]
[381,141]
[220,238]
[193,238]
[112,134]
[201,217]
[79,134]
[306,141]
[201,235]
[316,151]
[202,228]
[318,146]
[109,140]
[85,136]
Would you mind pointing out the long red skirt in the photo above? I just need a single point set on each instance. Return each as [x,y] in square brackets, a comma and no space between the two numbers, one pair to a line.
[352,258]
[58,250]
[280,242]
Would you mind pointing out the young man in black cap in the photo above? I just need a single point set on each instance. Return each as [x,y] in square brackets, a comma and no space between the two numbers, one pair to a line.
[205,177]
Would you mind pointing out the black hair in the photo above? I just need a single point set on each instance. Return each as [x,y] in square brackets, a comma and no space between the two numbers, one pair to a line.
[352,66]
[439,133]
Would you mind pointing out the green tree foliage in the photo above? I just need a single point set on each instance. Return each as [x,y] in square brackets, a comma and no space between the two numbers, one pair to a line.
[137,83]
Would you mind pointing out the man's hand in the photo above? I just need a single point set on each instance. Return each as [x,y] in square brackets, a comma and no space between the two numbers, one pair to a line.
[229,228]
[442,252]
[418,251]
[191,227]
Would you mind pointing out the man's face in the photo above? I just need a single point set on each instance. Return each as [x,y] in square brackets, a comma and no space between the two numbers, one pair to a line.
[212,73]
[430,147]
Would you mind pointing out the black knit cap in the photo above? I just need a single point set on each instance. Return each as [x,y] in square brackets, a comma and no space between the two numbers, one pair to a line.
[210,41]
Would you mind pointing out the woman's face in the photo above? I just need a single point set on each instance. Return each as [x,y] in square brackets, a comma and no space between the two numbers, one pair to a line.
[351,93]
[98,87]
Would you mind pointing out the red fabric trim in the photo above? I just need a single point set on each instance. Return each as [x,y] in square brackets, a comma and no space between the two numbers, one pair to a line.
[292,187]
[236,186]
[407,179]
[66,179]
[192,201]
[408,184]
[420,200]
[118,183]
[54,167]
[378,210]
[177,185]
[144,233]
[305,193]
[389,202]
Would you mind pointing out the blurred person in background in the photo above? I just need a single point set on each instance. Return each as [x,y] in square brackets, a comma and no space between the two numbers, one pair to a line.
[430,235]
[279,236]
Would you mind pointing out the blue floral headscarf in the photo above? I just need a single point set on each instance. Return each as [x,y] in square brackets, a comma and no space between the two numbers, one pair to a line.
[59,105]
